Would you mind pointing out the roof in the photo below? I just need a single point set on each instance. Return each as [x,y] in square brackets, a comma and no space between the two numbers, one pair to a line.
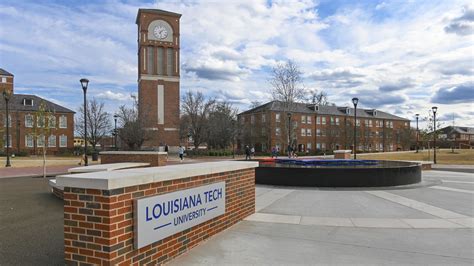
[323,110]
[156,11]
[16,104]
[460,130]
[3,72]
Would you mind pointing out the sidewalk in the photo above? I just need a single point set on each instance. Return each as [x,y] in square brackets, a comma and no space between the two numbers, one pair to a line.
[36,171]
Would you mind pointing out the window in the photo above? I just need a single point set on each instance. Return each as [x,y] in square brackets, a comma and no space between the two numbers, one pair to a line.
[358,122]
[264,118]
[308,132]
[376,123]
[406,124]
[63,141]
[63,121]
[318,120]
[332,120]
[52,121]
[337,120]
[323,146]
[9,141]
[252,119]
[28,120]
[303,132]
[303,119]
[28,102]
[40,121]
[277,131]
[318,132]
[263,131]
[308,119]
[159,61]
[29,141]
[323,133]
[4,80]
[277,117]
[323,120]
[150,60]
[40,141]
[52,141]
[308,146]
[370,123]
[9,120]
[169,61]
[318,146]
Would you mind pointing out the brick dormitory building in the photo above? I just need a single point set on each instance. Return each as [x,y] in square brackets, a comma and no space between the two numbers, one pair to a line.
[321,128]
[25,124]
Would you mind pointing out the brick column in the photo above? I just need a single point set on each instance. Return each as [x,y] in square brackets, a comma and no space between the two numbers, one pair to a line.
[99,224]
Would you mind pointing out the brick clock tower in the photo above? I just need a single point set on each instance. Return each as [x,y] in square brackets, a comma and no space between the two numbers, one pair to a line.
[158,75]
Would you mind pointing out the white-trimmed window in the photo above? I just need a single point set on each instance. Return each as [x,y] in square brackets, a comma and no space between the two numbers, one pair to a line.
[264,118]
[52,141]
[29,120]
[63,141]
[303,132]
[358,122]
[52,121]
[318,146]
[308,146]
[40,121]
[332,120]
[308,119]
[40,141]
[4,80]
[323,146]
[277,131]
[29,140]
[303,119]
[277,117]
[9,120]
[308,132]
[318,132]
[63,121]
[337,121]
[318,120]
[9,141]
[370,123]
[323,120]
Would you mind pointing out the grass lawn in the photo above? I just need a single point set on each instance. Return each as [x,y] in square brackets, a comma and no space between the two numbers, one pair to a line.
[33,161]
[444,156]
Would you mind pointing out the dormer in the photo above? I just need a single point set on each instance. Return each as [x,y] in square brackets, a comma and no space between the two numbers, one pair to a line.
[27,102]
[345,110]
[314,107]
[372,112]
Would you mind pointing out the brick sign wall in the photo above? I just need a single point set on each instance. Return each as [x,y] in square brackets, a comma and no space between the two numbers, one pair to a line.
[99,224]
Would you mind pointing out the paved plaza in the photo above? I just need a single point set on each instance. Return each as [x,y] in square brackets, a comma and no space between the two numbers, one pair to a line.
[430,223]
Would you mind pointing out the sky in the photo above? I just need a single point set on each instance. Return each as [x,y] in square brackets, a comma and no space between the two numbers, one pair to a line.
[402,57]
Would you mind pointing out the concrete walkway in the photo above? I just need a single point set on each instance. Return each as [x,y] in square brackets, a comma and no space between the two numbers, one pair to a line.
[36,171]
[294,226]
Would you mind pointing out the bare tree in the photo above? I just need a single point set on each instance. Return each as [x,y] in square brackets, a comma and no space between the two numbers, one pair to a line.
[196,109]
[133,129]
[318,97]
[254,104]
[45,124]
[98,122]
[222,125]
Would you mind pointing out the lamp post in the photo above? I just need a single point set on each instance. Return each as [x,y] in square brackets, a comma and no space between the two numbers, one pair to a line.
[417,132]
[115,131]
[435,109]
[289,132]
[84,84]
[6,96]
[355,101]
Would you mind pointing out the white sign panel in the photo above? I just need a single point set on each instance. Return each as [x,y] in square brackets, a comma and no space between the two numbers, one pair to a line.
[164,215]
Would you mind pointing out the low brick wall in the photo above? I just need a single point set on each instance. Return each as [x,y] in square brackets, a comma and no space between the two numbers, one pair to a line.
[99,224]
[58,192]
[153,158]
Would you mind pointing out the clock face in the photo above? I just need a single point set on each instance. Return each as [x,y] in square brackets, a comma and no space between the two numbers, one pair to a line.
[160,32]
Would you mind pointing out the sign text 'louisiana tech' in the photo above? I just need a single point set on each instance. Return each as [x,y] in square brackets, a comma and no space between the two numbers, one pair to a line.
[164,215]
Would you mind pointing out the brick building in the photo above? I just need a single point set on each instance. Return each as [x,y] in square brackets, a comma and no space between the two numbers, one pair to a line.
[460,137]
[158,74]
[322,128]
[25,125]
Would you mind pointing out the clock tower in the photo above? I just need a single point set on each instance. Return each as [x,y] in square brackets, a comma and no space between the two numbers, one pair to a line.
[158,75]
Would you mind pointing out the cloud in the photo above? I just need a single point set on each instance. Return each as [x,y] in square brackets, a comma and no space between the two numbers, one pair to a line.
[463,25]
[117,96]
[462,93]
[340,77]
[396,86]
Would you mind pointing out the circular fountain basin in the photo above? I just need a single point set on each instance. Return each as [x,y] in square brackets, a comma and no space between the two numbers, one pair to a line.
[337,173]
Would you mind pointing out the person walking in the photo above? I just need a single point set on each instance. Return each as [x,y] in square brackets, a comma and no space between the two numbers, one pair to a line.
[181,153]
[166,150]
[274,152]
[247,152]
[252,152]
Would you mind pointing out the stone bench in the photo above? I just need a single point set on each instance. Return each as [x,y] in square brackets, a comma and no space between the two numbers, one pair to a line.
[106,167]
[151,215]
[342,154]
[154,158]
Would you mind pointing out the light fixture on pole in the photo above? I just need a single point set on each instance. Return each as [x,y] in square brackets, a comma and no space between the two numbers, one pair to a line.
[6,97]
[417,133]
[435,109]
[355,101]
[84,84]
[115,131]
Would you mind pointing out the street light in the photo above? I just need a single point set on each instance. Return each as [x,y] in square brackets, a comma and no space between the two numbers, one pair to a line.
[435,109]
[289,133]
[417,132]
[355,101]
[6,96]
[84,84]
[115,131]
